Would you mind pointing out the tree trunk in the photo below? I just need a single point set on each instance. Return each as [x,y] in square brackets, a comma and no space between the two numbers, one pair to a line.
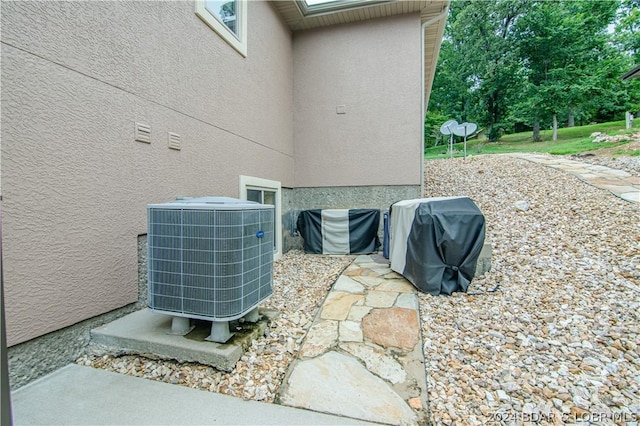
[571,122]
[555,127]
[536,131]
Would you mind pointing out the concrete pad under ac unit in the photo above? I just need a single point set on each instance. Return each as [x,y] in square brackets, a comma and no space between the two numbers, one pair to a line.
[147,333]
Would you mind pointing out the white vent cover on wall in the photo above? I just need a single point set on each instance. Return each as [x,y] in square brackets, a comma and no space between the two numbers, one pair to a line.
[209,258]
[142,133]
[175,141]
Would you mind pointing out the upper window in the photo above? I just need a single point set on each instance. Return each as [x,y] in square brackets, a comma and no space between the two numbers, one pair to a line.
[228,19]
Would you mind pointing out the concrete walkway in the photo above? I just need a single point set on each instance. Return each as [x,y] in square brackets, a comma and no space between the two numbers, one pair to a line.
[618,182]
[76,395]
[362,357]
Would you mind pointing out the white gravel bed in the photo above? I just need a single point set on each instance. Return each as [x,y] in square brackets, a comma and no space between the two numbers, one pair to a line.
[301,282]
[558,341]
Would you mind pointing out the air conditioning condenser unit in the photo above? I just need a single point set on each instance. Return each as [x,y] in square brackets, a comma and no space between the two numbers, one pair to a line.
[209,258]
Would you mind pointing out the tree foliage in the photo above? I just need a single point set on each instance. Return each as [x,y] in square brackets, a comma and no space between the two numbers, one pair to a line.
[560,44]
[517,64]
[432,123]
[627,35]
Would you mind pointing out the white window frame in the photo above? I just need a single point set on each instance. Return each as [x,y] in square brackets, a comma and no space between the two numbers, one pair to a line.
[239,41]
[250,182]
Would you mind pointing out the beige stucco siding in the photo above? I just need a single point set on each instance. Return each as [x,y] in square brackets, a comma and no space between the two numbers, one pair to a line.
[75,78]
[374,69]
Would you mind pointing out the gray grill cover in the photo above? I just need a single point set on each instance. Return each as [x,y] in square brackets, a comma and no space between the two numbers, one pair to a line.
[339,231]
[443,241]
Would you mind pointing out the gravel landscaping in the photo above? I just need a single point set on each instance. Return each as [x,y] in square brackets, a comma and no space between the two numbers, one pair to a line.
[558,339]
[550,334]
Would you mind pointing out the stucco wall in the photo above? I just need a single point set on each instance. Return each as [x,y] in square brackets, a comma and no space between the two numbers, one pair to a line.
[75,78]
[374,69]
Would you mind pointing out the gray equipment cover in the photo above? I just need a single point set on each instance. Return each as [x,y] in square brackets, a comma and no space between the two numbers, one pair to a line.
[339,231]
[435,242]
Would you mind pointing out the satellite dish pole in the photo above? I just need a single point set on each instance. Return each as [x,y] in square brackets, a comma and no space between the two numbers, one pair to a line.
[465,142]
[451,145]
[447,129]
[465,129]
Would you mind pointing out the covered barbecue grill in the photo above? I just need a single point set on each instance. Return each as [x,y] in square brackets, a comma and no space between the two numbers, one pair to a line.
[435,242]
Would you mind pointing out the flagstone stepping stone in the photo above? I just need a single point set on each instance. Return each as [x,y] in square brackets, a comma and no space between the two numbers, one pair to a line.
[350,331]
[338,384]
[399,286]
[380,299]
[358,312]
[320,338]
[353,271]
[348,285]
[369,281]
[338,304]
[377,362]
[407,300]
[392,327]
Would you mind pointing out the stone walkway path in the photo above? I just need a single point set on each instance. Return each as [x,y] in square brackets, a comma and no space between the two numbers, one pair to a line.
[618,182]
[362,357]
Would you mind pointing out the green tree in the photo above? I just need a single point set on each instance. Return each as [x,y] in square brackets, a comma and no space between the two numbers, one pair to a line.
[627,29]
[432,123]
[450,91]
[560,44]
[478,70]
[509,64]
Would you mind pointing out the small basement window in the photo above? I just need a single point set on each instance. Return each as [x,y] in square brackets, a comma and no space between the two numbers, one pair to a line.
[265,191]
[228,19]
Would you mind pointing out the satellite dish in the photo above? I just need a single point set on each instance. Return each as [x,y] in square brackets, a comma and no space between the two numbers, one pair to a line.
[465,129]
[446,128]
[471,128]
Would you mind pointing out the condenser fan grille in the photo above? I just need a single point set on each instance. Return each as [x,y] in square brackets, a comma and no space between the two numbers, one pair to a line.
[209,263]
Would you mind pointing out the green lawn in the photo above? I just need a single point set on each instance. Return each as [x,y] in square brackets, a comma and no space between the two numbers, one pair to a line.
[571,140]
